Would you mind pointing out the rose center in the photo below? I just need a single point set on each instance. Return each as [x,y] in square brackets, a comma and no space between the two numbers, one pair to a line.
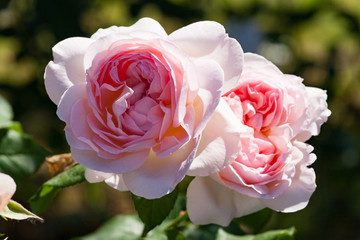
[129,87]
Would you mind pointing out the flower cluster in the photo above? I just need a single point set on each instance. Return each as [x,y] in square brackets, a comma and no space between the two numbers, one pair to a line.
[143,109]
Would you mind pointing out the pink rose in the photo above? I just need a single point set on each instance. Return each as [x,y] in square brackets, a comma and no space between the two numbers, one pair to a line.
[271,170]
[135,100]
[7,190]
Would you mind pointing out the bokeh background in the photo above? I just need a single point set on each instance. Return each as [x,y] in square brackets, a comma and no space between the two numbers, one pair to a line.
[318,40]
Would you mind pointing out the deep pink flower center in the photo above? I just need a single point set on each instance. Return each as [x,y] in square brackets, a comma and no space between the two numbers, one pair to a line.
[133,97]
[261,104]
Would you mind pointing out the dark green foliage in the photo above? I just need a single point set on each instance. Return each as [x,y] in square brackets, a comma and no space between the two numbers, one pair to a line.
[42,199]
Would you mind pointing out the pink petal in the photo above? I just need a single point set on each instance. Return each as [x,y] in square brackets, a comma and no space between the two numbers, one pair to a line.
[159,176]
[7,190]
[105,46]
[297,196]
[67,68]
[125,163]
[208,39]
[219,144]
[280,136]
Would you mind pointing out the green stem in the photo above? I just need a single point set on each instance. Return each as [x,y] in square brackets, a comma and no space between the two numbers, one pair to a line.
[173,224]
[177,221]
[144,232]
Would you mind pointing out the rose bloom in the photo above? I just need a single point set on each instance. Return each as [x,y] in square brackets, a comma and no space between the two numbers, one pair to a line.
[279,114]
[135,101]
[7,190]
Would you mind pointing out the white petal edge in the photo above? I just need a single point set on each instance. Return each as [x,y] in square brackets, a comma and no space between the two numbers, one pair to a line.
[143,24]
[113,180]
[210,79]
[159,176]
[67,68]
[207,39]
[257,63]
[211,202]
[71,96]
[317,113]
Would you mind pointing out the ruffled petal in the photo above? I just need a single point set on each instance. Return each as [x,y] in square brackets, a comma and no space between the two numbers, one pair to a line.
[159,176]
[67,68]
[317,112]
[297,196]
[208,39]
[220,142]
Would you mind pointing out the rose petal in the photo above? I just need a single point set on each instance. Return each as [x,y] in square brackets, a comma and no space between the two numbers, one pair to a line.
[7,190]
[219,144]
[159,176]
[317,111]
[113,180]
[210,79]
[125,163]
[71,96]
[105,47]
[297,196]
[254,63]
[208,39]
[143,24]
[246,205]
[93,176]
[209,202]
[67,68]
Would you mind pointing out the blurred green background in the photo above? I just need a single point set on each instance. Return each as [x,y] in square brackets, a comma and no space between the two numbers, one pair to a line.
[318,40]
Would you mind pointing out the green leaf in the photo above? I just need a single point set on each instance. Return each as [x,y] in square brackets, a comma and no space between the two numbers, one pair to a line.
[20,155]
[6,113]
[68,178]
[42,199]
[153,211]
[16,211]
[286,234]
[128,227]
[175,234]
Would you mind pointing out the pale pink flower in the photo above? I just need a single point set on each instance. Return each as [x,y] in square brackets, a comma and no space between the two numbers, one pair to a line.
[135,101]
[278,113]
[7,190]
